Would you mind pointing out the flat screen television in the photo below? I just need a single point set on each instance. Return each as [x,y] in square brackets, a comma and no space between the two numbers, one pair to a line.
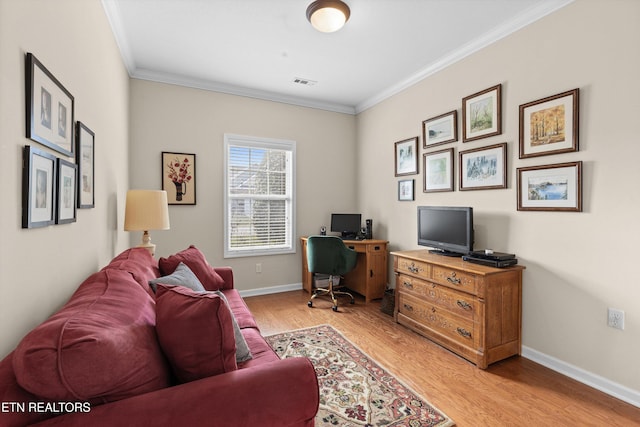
[446,229]
[348,225]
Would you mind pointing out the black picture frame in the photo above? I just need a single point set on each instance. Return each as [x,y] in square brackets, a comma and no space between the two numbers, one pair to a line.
[179,177]
[49,108]
[66,190]
[406,190]
[38,188]
[85,159]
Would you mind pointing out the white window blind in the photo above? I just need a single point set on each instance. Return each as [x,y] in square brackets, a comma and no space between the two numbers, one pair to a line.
[259,181]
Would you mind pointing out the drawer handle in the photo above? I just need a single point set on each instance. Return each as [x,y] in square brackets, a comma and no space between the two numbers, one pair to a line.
[412,268]
[453,279]
[464,305]
[408,307]
[408,285]
[464,332]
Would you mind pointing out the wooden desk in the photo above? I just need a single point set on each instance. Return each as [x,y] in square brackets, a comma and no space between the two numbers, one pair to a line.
[368,278]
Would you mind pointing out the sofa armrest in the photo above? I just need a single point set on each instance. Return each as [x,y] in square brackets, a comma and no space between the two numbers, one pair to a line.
[282,393]
[227,275]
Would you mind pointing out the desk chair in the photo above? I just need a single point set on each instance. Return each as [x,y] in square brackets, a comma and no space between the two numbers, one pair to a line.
[329,255]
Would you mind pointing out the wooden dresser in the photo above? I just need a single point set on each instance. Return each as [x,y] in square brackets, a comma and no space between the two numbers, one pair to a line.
[473,310]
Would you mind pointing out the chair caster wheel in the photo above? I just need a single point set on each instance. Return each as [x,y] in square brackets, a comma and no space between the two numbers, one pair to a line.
[334,308]
[353,301]
[310,304]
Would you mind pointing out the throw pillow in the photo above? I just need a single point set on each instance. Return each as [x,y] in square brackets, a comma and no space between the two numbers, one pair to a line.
[195,332]
[242,349]
[195,260]
[182,276]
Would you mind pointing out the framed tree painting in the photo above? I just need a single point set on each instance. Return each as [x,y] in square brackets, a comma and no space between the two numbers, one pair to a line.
[85,159]
[66,191]
[556,187]
[482,114]
[38,188]
[178,177]
[484,168]
[405,190]
[49,108]
[549,125]
[406,156]
[438,171]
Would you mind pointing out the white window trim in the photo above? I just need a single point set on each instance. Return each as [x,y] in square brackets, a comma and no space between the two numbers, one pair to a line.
[268,143]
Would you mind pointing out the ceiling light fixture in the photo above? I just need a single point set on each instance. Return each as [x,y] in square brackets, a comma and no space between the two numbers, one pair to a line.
[328,15]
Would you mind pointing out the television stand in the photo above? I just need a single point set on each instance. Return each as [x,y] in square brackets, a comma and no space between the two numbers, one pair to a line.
[445,253]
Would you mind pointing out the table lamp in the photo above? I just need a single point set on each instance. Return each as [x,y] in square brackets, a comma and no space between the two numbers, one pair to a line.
[146,210]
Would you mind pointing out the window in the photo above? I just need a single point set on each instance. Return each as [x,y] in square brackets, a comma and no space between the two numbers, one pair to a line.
[259,196]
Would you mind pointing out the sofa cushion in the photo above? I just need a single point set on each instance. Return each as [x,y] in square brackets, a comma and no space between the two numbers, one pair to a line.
[195,260]
[239,308]
[195,332]
[100,347]
[182,276]
[139,263]
[242,349]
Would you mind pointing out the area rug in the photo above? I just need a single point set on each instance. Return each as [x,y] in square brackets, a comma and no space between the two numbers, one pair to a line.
[354,389]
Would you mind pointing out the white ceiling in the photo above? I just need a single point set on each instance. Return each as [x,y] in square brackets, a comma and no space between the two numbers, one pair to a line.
[257,48]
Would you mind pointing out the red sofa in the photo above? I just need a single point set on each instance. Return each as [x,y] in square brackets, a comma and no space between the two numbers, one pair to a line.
[117,354]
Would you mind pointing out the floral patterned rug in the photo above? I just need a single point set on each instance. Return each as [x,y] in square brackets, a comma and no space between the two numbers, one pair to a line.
[354,389]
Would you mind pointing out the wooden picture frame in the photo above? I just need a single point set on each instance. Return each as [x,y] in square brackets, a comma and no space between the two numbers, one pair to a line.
[556,187]
[85,159]
[438,171]
[49,108]
[179,177]
[38,188]
[406,156]
[550,125]
[406,190]
[66,190]
[482,114]
[441,129]
[483,168]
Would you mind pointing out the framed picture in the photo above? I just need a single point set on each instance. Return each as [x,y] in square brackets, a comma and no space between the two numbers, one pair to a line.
[438,171]
[38,188]
[556,187]
[85,159]
[440,130]
[406,190]
[49,108]
[178,177]
[549,125]
[482,114]
[484,168]
[406,156]
[66,191]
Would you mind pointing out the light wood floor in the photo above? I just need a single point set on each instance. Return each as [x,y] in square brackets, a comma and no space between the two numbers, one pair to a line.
[514,392]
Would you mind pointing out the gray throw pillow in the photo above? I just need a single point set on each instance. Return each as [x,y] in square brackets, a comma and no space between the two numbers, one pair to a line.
[242,349]
[183,276]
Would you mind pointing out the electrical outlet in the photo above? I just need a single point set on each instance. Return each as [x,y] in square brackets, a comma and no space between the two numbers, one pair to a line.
[259,267]
[615,318]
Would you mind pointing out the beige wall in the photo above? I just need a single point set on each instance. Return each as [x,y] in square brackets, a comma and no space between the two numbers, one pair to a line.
[40,268]
[578,264]
[184,120]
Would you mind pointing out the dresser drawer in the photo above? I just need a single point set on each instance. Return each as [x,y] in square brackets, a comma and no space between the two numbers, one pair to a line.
[460,303]
[455,279]
[440,320]
[416,268]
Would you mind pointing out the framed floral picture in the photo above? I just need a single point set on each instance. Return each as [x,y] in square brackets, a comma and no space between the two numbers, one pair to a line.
[549,125]
[438,171]
[38,188]
[482,114]
[442,129]
[406,156]
[484,168]
[406,190]
[179,178]
[556,187]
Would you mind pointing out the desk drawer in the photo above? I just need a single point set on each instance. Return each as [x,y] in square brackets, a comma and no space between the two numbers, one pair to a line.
[460,303]
[455,279]
[415,268]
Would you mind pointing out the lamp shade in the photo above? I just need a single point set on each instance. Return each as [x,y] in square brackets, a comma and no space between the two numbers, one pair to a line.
[328,15]
[146,210]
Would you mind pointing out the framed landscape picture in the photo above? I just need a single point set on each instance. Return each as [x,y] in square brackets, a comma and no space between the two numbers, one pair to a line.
[406,156]
[438,171]
[179,178]
[482,114]
[38,188]
[550,125]
[484,168]
[440,130]
[556,187]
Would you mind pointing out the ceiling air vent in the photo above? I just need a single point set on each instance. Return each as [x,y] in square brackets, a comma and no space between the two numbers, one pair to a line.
[304,82]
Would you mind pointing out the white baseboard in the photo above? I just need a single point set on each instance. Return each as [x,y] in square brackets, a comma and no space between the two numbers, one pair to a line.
[592,380]
[271,290]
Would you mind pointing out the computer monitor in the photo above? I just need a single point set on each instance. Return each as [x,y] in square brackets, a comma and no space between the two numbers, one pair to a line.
[348,225]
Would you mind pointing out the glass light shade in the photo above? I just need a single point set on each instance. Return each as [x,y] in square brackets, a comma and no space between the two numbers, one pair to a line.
[328,15]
